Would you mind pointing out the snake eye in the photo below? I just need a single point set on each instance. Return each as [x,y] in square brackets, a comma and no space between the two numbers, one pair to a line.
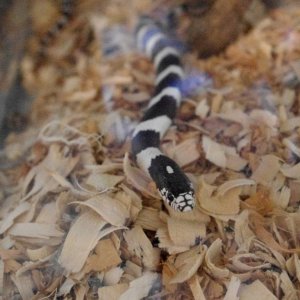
[170,197]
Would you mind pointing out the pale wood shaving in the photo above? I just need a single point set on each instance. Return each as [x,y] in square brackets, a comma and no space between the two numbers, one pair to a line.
[35,230]
[213,257]
[186,152]
[228,204]
[9,220]
[187,264]
[267,169]
[112,292]
[113,276]
[110,209]
[140,287]
[83,237]
[232,289]
[196,288]
[25,286]
[39,253]
[99,262]
[255,290]
[184,232]
[139,244]
[103,181]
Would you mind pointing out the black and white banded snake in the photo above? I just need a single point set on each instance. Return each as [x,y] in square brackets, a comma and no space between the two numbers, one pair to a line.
[173,185]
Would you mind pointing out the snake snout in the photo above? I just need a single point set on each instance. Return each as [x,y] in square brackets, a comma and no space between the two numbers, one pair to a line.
[185,202]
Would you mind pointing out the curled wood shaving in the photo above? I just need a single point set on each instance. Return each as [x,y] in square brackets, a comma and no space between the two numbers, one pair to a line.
[9,220]
[186,152]
[39,253]
[59,160]
[255,290]
[148,218]
[113,276]
[35,230]
[251,262]
[291,146]
[83,236]
[140,287]
[100,262]
[165,242]
[187,264]
[214,152]
[185,233]
[196,288]
[139,244]
[266,170]
[66,287]
[25,286]
[288,287]
[221,155]
[103,182]
[212,258]
[293,266]
[227,204]
[290,124]
[291,171]
[202,109]
[268,238]
[112,292]
[232,289]
[230,184]
[261,202]
[110,209]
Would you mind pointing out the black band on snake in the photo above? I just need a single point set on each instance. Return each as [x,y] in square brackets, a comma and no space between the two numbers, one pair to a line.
[173,185]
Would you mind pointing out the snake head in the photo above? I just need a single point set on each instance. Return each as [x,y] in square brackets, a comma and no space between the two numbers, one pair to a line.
[183,202]
[173,185]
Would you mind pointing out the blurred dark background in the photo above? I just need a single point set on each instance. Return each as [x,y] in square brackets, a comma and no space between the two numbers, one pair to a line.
[14,101]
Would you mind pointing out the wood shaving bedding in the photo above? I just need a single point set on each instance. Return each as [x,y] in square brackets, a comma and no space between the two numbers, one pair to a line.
[78,219]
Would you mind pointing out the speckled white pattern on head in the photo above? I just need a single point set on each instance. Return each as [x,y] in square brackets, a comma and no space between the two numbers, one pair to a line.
[145,157]
[171,69]
[169,91]
[163,53]
[159,124]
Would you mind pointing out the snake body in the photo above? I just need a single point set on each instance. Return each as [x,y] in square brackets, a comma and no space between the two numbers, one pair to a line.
[173,185]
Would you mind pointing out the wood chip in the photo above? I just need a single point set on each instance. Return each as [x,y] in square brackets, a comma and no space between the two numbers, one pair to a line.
[35,230]
[112,292]
[187,264]
[83,236]
[139,245]
[110,209]
[213,258]
[255,290]
[140,287]
[100,261]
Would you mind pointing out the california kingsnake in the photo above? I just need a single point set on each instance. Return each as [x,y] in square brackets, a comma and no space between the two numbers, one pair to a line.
[173,185]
